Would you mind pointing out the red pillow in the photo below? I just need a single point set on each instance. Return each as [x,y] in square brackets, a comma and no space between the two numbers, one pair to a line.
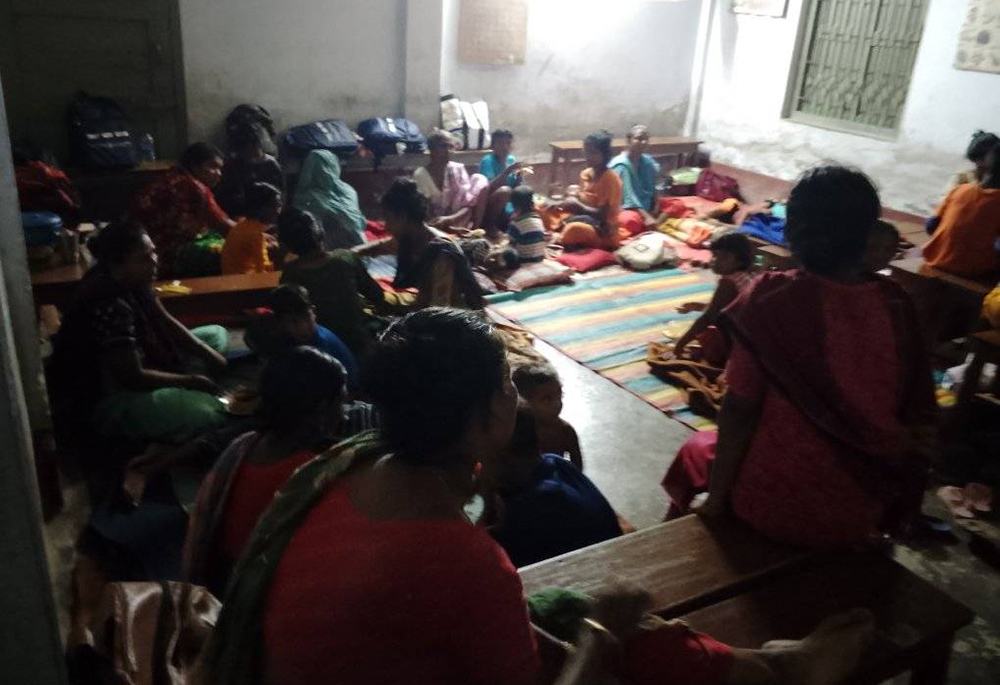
[587,260]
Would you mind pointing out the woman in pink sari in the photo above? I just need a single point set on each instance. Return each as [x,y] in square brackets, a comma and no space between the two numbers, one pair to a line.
[457,200]
[825,431]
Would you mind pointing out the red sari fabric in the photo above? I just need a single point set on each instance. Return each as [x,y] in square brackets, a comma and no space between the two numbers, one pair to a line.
[176,209]
[42,188]
[841,375]
[690,472]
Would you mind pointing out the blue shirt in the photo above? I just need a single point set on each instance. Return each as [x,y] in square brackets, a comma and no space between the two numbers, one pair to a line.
[559,511]
[490,167]
[327,341]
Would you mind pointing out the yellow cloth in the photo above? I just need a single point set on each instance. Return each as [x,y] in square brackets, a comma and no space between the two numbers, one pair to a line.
[245,250]
[991,308]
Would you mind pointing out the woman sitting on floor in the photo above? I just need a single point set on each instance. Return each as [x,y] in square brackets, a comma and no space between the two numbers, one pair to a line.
[247,164]
[824,434]
[591,218]
[331,200]
[456,200]
[428,260]
[365,568]
[346,297]
[639,174]
[122,362]
[302,392]
[179,208]
[966,227]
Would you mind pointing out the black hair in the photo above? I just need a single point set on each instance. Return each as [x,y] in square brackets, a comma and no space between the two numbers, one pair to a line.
[993,171]
[440,138]
[260,196]
[503,133]
[114,243]
[602,140]
[299,231]
[510,259]
[523,198]
[980,145]
[246,137]
[430,374]
[198,154]
[527,377]
[831,210]
[883,226]
[524,441]
[289,299]
[404,198]
[636,127]
[737,245]
[295,382]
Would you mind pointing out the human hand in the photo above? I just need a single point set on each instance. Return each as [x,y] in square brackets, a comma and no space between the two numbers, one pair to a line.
[202,384]
[689,307]
[510,169]
[134,485]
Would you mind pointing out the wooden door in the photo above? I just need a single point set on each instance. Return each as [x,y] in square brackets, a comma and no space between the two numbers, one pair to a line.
[125,49]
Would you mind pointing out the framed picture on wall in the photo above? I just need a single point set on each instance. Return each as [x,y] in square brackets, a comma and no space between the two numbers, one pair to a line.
[763,8]
[492,32]
[979,41]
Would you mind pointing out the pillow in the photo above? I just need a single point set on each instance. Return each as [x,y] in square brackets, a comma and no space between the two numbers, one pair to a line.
[587,260]
[546,272]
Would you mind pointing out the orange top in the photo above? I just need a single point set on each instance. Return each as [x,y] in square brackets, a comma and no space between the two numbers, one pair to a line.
[245,250]
[964,243]
[606,191]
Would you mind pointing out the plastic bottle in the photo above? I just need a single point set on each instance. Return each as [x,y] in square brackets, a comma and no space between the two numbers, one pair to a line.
[147,148]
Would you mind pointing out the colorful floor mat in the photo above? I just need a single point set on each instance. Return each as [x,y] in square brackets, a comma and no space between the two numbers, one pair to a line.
[605,324]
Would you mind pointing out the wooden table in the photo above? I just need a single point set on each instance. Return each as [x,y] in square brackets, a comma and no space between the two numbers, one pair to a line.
[566,151]
[108,194]
[56,286]
[684,564]
[915,622]
[221,294]
[948,306]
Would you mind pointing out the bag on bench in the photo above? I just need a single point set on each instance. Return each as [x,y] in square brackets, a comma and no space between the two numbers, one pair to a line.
[388,136]
[100,135]
[470,121]
[329,134]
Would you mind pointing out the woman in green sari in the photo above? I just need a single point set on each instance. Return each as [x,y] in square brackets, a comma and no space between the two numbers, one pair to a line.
[334,202]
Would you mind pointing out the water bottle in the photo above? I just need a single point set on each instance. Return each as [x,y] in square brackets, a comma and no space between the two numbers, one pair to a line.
[147,148]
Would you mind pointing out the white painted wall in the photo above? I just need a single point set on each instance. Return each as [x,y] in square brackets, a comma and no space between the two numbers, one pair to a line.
[747,75]
[590,64]
[304,60]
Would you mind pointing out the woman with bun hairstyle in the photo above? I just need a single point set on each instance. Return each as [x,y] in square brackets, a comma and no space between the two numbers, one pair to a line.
[428,260]
[122,365]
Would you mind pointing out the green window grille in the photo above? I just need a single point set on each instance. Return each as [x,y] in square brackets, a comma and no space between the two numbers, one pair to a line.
[855,62]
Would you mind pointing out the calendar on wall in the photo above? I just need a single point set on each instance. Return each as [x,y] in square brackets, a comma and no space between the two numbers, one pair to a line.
[492,31]
[979,41]
[764,8]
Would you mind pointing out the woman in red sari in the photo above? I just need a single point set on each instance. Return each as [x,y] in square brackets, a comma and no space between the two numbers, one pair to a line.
[179,207]
[824,433]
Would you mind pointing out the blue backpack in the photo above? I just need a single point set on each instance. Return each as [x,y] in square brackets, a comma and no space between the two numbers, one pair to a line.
[387,136]
[330,134]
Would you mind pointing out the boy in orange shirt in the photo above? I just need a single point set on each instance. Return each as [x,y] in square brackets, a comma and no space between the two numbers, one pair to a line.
[966,227]
[245,249]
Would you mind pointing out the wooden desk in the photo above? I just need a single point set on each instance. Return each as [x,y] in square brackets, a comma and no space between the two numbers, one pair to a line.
[56,286]
[221,294]
[108,194]
[683,564]
[916,622]
[566,151]
[916,268]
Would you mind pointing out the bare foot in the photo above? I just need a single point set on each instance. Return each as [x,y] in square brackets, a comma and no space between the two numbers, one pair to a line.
[826,656]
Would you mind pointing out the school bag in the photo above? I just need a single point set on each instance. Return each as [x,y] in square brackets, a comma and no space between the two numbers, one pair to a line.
[469,121]
[452,119]
[253,117]
[646,251]
[716,187]
[391,136]
[328,134]
[100,134]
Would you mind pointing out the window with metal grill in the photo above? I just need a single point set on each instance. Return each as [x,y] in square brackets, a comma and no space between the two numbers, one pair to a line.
[855,59]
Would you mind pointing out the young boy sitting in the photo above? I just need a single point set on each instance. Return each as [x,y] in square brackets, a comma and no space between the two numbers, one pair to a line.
[539,505]
[539,385]
[732,258]
[246,164]
[291,321]
[526,230]
[246,246]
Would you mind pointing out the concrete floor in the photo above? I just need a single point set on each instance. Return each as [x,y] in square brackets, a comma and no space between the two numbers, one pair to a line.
[628,445]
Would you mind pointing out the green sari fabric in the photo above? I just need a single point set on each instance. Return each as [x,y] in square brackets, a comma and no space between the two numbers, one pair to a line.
[334,202]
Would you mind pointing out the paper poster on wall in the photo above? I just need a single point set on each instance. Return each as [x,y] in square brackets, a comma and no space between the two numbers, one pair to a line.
[492,31]
[979,41]
[763,8]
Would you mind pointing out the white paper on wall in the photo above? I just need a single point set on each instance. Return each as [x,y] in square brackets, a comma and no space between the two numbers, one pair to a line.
[979,41]
[764,8]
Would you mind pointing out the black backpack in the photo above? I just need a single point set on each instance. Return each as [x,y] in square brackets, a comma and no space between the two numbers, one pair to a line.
[252,117]
[100,135]
[388,136]
[330,134]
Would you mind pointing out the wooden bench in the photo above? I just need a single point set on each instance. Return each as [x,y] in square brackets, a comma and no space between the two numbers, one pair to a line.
[916,622]
[221,294]
[948,305]
[564,152]
[684,564]
[56,286]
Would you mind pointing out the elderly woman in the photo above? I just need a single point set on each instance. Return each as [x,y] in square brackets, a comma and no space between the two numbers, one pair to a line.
[122,365]
[179,208]
[824,432]
[456,199]
[333,201]
[365,568]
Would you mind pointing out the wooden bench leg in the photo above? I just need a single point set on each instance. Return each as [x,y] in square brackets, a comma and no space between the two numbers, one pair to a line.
[932,669]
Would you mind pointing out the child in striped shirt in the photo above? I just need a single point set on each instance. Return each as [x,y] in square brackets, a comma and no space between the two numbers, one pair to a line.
[526,230]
